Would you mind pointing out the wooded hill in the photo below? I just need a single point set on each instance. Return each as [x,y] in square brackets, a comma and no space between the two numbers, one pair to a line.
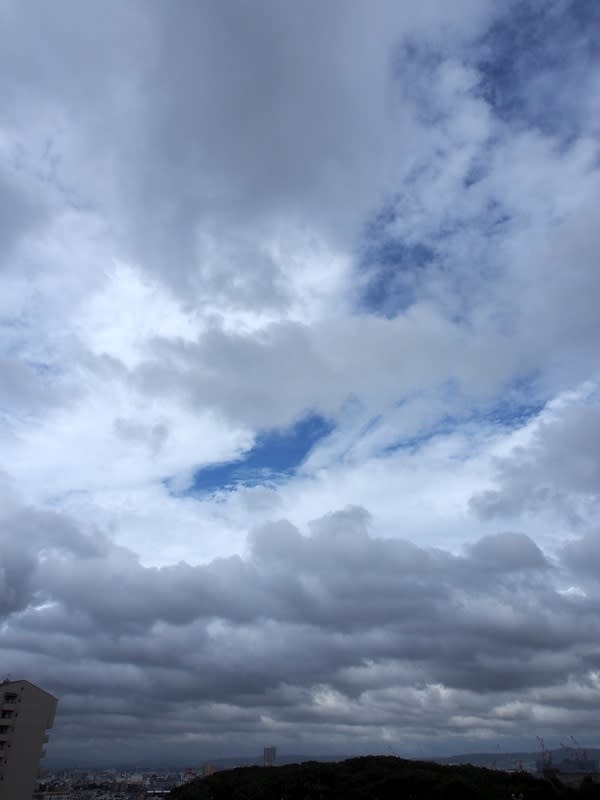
[377,778]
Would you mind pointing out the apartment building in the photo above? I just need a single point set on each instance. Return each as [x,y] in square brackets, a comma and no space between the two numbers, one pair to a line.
[26,713]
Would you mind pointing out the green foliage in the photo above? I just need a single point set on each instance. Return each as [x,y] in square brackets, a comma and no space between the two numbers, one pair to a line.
[377,778]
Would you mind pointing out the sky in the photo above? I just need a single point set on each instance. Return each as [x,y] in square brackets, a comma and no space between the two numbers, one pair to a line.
[300,374]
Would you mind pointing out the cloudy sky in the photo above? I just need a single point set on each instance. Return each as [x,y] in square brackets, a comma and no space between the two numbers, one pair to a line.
[300,374]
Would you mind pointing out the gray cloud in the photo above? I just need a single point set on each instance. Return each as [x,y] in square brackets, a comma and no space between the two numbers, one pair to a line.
[507,551]
[558,470]
[337,614]
[583,555]
[288,369]
[28,389]
[252,130]
[20,212]
[154,436]
[27,538]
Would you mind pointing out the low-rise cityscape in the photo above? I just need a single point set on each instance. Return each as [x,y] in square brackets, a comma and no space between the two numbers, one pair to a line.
[113,784]
[136,784]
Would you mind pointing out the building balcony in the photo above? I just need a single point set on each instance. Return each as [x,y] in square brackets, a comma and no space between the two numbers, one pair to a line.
[10,700]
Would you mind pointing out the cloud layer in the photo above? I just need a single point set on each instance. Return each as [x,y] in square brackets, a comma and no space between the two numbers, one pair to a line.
[332,639]
[299,384]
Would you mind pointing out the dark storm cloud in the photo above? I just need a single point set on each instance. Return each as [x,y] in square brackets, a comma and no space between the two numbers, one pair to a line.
[338,613]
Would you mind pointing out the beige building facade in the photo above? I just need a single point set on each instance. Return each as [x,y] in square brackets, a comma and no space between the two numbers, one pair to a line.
[26,713]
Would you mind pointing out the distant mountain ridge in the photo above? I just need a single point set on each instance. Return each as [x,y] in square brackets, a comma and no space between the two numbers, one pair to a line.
[526,759]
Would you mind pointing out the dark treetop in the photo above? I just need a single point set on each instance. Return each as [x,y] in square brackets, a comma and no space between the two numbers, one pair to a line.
[377,778]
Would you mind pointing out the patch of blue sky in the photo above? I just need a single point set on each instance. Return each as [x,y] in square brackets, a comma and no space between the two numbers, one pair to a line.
[531,51]
[389,267]
[392,268]
[276,455]
[517,403]
[515,408]
[507,414]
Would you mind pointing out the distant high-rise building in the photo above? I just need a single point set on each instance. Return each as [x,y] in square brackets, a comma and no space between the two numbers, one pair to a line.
[26,713]
[269,756]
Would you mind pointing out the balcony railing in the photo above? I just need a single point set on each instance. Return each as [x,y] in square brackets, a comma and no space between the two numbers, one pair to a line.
[10,700]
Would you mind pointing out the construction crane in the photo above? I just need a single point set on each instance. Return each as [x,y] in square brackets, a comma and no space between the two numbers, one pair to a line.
[546,756]
[578,750]
[542,748]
